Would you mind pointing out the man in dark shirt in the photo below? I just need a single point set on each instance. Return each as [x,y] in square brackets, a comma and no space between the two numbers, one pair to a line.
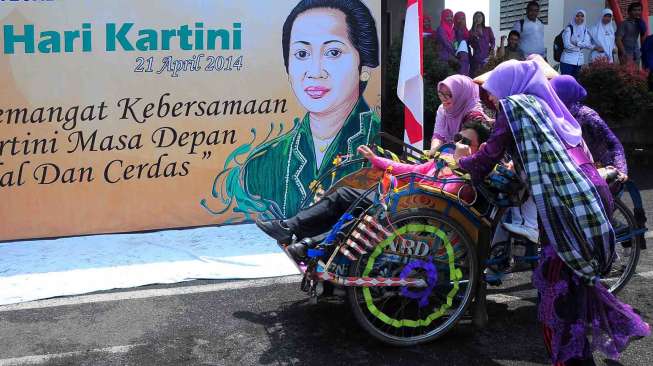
[628,33]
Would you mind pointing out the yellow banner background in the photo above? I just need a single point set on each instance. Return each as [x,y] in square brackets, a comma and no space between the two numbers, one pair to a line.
[67,79]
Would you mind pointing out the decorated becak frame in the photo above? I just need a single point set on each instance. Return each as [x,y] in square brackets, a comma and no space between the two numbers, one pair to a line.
[413,263]
[415,242]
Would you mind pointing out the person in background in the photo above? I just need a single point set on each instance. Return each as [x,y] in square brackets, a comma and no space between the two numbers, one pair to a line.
[481,39]
[459,96]
[575,38]
[603,37]
[531,31]
[427,28]
[628,34]
[601,141]
[642,28]
[512,50]
[445,36]
[462,45]
[647,59]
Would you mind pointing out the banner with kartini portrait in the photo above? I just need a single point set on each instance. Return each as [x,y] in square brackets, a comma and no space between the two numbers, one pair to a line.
[121,116]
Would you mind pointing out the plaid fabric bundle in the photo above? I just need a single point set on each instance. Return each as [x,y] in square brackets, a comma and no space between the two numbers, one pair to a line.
[569,205]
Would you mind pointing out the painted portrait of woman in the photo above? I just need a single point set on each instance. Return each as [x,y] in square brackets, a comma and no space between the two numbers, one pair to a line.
[329,48]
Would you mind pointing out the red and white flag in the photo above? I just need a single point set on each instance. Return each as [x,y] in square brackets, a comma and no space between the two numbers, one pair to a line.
[410,88]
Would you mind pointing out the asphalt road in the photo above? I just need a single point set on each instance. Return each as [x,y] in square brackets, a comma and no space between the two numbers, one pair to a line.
[270,322]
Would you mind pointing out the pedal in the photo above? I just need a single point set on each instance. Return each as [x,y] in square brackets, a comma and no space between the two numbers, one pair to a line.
[525,255]
[494,279]
[305,285]
[307,280]
[312,293]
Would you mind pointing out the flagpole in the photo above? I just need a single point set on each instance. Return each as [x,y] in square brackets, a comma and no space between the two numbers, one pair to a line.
[410,86]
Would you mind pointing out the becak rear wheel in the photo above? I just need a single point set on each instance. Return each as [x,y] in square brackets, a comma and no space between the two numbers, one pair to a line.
[423,244]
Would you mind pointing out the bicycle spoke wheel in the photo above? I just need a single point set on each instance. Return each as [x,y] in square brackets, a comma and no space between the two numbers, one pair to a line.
[423,245]
[627,248]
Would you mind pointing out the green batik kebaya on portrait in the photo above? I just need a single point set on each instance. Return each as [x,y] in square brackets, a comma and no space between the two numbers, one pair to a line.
[282,170]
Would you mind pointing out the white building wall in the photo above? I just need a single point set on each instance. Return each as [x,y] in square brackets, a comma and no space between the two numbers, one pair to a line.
[494,18]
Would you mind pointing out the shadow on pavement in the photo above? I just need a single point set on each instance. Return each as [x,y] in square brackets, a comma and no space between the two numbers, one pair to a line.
[327,333]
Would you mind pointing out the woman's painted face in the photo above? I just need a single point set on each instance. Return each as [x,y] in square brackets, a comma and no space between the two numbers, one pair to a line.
[444,93]
[323,64]
[580,18]
[448,17]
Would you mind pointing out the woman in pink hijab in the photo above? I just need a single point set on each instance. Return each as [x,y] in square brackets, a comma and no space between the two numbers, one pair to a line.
[445,36]
[459,96]
[462,42]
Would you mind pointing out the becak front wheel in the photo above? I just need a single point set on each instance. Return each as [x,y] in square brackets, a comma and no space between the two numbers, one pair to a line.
[422,244]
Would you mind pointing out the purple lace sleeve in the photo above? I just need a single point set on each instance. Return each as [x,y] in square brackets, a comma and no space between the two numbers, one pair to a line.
[481,163]
[602,142]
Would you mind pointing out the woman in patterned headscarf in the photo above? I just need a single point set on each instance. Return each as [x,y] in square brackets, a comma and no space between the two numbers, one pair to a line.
[572,201]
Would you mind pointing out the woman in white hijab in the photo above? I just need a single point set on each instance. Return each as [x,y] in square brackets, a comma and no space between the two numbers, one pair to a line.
[576,38]
[603,36]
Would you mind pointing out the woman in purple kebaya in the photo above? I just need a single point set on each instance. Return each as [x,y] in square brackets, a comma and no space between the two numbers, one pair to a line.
[462,42]
[445,36]
[533,125]
[481,39]
[601,141]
